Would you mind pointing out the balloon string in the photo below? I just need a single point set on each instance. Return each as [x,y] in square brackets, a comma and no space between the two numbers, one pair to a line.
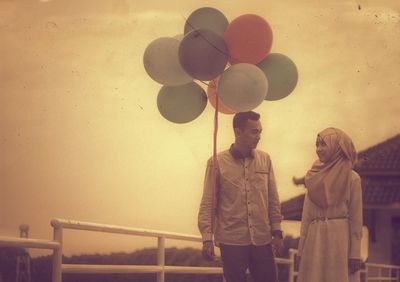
[214,166]
[207,84]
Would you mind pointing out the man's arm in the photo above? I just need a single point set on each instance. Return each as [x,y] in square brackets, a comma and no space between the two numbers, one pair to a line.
[205,212]
[204,218]
[274,206]
[274,212]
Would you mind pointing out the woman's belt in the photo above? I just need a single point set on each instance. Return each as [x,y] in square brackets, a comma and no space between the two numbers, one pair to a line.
[326,218]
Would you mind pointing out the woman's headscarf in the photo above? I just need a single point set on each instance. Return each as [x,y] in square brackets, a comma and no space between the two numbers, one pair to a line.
[327,182]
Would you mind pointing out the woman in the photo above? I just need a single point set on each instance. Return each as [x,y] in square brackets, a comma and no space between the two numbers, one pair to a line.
[330,236]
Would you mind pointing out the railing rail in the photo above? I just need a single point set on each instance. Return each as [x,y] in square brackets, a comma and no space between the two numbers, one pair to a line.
[89,226]
[28,243]
[392,271]
[383,272]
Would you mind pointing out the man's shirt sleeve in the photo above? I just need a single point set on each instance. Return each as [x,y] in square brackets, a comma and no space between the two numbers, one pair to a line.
[274,206]
[204,217]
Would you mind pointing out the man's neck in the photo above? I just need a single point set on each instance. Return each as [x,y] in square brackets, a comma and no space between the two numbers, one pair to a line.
[244,151]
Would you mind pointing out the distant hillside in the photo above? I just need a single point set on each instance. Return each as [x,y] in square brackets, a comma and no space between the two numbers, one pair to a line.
[41,266]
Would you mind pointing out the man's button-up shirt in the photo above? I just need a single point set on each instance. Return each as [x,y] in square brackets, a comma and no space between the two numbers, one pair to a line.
[247,207]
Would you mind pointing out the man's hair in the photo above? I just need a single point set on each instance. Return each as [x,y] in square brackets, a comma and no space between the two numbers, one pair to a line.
[240,119]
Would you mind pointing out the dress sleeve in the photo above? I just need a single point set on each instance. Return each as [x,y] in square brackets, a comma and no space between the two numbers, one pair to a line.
[305,222]
[355,218]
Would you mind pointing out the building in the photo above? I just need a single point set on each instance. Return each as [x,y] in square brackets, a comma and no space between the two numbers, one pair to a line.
[379,168]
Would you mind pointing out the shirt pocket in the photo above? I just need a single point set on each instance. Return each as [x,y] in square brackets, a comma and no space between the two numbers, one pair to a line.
[261,179]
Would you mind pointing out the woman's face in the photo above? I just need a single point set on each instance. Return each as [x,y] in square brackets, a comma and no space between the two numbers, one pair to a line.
[322,150]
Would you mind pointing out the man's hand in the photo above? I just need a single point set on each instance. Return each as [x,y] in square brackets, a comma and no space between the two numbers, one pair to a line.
[208,250]
[354,265]
[277,245]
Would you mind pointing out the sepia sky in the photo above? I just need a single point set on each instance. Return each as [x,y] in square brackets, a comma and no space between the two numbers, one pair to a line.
[81,136]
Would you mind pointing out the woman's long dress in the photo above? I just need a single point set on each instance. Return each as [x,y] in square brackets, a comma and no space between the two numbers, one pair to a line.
[327,244]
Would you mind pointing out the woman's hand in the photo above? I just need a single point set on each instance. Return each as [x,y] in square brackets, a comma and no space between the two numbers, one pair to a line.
[354,265]
[297,262]
[298,180]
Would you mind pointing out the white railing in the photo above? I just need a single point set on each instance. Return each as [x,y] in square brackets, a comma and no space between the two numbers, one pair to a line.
[392,271]
[28,243]
[381,272]
[160,269]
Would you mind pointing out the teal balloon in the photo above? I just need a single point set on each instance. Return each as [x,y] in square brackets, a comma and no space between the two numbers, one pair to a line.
[206,18]
[183,103]
[282,75]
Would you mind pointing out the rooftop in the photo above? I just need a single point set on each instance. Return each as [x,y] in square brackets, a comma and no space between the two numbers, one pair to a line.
[381,158]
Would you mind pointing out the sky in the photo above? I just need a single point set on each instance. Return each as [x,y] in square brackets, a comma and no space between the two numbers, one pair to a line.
[81,136]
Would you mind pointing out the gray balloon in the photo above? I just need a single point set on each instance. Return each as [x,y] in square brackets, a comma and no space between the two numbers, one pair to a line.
[161,62]
[207,18]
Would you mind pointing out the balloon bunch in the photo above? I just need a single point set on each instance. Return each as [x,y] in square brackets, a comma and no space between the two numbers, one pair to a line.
[234,57]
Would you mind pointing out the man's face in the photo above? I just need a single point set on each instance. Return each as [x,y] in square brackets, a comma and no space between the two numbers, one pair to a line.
[249,136]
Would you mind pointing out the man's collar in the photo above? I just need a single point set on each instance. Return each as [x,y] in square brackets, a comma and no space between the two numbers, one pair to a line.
[237,155]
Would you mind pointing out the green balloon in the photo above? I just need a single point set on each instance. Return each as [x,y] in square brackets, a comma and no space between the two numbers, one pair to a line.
[282,75]
[183,103]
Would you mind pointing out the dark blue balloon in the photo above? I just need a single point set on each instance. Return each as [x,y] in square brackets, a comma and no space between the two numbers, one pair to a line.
[203,54]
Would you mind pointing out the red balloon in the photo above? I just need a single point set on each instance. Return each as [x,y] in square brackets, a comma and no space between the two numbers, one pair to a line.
[212,97]
[249,39]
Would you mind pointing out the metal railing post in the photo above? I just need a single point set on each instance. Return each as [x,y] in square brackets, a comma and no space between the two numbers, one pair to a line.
[292,258]
[161,258]
[57,253]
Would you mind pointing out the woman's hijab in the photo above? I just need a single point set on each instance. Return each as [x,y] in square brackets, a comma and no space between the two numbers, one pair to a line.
[328,181]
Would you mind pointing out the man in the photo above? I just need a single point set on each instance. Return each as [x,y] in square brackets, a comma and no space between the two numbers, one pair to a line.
[247,209]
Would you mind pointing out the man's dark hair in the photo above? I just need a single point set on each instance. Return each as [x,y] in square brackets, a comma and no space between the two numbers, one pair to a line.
[240,119]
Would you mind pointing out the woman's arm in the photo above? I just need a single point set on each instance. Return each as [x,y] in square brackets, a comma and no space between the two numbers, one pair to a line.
[355,224]
[355,217]
[298,180]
